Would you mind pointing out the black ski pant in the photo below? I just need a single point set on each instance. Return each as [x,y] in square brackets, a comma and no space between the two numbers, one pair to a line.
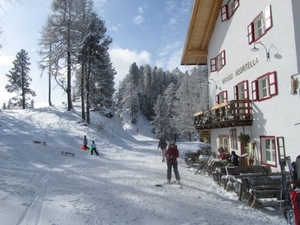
[94,150]
[169,171]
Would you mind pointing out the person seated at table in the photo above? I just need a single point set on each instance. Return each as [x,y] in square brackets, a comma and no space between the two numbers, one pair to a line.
[233,159]
[222,153]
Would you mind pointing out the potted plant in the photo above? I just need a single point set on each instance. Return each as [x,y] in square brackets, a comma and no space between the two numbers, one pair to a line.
[245,138]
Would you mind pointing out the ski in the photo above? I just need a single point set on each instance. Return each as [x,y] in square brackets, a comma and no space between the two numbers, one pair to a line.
[286,191]
[286,179]
[294,193]
[169,183]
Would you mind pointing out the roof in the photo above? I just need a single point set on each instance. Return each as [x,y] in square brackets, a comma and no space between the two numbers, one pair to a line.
[201,27]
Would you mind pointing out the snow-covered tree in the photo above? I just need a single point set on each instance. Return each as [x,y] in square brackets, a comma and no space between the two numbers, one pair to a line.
[4,106]
[19,81]
[161,120]
[97,71]
[131,92]
[192,97]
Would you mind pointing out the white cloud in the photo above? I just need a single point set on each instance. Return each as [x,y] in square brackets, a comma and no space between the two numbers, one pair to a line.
[138,19]
[170,57]
[6,60]
[170,5]
[140,10]
[123,58]
[100,2]
[172,22]
[115,28]
[171,47]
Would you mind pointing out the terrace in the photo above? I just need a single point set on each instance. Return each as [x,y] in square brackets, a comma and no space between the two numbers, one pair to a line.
[227,114]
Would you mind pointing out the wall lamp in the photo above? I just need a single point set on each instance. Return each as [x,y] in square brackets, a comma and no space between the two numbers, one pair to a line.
[213,81]
[255,49]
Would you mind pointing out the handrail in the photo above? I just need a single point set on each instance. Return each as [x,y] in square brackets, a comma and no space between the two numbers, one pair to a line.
[226,111]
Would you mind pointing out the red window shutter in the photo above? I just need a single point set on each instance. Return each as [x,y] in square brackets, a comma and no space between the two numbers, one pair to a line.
[254,90]
[235,92]
[273,84]
[224,14]
[237,4]
[223,58]
[213,65]
[225,96]
[267,15]
[250,30]
[217,99]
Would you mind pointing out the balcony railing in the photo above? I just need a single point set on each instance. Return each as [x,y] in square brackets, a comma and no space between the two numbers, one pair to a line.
[228,114]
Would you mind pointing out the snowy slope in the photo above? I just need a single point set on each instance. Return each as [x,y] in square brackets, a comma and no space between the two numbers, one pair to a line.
[39,186]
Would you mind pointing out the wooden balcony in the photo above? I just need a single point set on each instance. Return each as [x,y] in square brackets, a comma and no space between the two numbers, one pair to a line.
[228,114]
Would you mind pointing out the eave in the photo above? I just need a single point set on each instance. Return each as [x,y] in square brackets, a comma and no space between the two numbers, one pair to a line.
[201,27]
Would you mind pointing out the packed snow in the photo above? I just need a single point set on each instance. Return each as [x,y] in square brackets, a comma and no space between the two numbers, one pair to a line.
[40,186]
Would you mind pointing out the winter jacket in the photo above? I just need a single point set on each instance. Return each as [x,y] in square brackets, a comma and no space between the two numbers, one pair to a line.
[234,159]
[172,154]
[223,155]
[93,146]
[162,144]
[85,141]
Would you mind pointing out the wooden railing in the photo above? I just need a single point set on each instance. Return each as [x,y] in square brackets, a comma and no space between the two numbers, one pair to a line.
[227,114]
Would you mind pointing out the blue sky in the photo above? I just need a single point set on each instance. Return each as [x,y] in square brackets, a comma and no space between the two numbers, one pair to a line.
[143,31]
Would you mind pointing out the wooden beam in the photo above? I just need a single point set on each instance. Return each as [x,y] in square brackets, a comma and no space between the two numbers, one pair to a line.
[198,52]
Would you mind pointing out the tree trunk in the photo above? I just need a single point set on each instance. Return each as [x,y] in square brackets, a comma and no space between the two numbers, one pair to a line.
[69,93]
[49,79]
[23,88]
[88,119]
[82,91]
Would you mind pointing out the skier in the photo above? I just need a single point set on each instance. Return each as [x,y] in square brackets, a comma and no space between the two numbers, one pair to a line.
[93,148]
[172,154]
[297,167]
[85,142]
[162,144]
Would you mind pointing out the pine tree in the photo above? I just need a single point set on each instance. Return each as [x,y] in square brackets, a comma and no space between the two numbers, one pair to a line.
[161,120]
[192,97]
[4,106]
[19,80]
[97,71]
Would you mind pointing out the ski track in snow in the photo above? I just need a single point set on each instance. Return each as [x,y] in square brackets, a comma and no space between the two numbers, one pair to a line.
[39,186]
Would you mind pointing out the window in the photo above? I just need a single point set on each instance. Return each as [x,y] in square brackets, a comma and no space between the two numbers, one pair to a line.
[268,151]
[223,142]
[218,62]
[221,97]
[233,139]
[264,87]
[260,25]
[229,9]
[241,91]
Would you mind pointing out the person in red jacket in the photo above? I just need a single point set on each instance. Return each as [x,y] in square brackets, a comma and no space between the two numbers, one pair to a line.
[222,153]
[172,154]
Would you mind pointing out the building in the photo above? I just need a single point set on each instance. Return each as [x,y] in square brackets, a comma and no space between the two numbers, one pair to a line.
[252,50]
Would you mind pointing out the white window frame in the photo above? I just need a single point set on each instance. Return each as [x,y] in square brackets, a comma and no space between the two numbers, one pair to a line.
[224,142]
[260,25]
[268,151]
[265,87]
